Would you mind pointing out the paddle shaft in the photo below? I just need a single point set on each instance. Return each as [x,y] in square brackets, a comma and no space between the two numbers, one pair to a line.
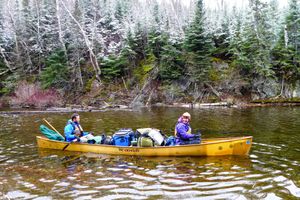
[52,127]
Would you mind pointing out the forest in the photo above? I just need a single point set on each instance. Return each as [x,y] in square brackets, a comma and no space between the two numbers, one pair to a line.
[143,52]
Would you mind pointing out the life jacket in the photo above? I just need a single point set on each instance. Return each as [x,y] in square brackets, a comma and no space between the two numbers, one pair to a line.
[76,126]
[189,131]
[180,121]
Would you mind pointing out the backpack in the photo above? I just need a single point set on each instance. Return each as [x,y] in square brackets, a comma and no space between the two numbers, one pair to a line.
[123,137]
[52,135]
[106,140]
[95,140]
[154,134]
[171,141]
[145,142]
[158,138]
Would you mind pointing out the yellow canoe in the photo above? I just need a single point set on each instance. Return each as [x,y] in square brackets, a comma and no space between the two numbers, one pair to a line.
[208,147]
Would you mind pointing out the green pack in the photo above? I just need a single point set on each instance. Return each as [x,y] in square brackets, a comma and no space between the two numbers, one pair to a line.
[50,134]
[145,142]
[95,140]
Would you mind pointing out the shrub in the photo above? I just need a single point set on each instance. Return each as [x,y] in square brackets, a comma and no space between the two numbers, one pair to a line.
[33,96]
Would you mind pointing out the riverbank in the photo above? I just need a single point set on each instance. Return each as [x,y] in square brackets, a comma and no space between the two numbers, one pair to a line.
[29,96]
[81,108]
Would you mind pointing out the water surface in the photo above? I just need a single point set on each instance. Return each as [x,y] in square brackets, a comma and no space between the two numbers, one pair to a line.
[271,171]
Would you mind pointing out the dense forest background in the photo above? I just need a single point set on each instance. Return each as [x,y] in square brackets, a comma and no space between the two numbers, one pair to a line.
[141,52]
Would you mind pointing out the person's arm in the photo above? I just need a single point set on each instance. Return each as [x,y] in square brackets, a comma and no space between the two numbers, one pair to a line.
[70,136]
[182,132]
[85,133]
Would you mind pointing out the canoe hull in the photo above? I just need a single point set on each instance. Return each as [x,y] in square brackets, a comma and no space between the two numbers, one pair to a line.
[209,147]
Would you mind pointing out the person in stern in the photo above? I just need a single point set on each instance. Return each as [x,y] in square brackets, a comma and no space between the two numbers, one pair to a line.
[183,129]
[74,132]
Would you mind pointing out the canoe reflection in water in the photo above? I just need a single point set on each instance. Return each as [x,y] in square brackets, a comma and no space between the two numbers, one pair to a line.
[183,164]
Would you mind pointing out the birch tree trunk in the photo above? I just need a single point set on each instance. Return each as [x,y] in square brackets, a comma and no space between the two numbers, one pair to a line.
[92,56]
[5,60]
[60,35]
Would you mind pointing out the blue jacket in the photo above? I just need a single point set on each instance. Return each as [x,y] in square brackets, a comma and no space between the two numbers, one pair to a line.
[69,131]
[182,131]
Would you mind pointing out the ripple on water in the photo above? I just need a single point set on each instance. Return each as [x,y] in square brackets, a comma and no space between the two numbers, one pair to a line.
[254,176]
[110,179]
[47,181]
[172,181]
[130,191]
[180,188]
[88,171]
[143,178]
[294,190]
[220,185]
[272,196]
[18,194]
[78,193]
[106,187]
[113,169]
[77,186]
[221,178]
[62,184]
[154,172]
[121,196]
[125,191]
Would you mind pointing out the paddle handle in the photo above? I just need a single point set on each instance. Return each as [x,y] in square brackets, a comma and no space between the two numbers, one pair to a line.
[52,127]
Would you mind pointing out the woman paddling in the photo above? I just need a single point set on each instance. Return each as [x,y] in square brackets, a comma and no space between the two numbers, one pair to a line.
[183,129]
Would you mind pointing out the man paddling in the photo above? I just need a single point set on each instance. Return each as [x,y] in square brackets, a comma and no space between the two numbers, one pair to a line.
[73,130]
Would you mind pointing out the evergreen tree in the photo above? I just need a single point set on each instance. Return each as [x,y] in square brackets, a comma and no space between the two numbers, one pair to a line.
[293,26]
[198,45]
[112,67]
[157,38]
[171,66]
[56,72]
[221,39]
[2,43]
[253,54]
[286,54]
[139,43]
[129,55]
[285,61]
[120,11]
[156,41]
[49,27]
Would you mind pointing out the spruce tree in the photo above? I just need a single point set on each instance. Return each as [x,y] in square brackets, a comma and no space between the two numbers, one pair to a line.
[283,61]
[198,45]
[171,66]
[293,26]
[157,38]
[221,39]
[286,54]
[253,54]
[56,72]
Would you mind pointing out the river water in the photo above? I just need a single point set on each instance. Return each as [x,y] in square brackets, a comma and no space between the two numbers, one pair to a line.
[271,171]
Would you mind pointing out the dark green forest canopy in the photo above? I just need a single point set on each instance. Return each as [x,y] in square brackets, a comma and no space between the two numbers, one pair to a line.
[68,45]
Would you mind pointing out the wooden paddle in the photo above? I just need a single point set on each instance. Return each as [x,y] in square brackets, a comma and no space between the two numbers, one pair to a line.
[52,127]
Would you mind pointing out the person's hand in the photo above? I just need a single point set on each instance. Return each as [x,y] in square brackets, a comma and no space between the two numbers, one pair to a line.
[77,134]
[75,140]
